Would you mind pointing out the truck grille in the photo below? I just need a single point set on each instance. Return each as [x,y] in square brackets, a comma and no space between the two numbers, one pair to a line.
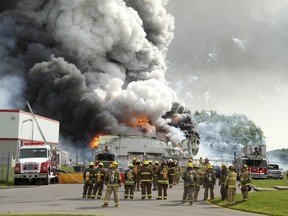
[30,167]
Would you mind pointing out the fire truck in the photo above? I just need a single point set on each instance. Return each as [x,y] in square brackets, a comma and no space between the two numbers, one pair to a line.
[36,163]
[254,156]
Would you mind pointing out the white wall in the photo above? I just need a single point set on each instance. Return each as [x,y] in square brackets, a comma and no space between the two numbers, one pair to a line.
[20,125]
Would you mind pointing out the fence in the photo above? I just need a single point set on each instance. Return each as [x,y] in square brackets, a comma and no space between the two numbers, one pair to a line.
[6,169]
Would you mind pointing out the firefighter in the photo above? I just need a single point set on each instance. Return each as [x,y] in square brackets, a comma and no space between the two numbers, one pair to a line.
[113,181]
[136,168]
[163,181]
[245,181]
[145,176]
[99,181]
[129,182]
[134,160]
[88,176]
[171,171]
[230,183]
[190,180]
[178,172]
[209,181]
[222,178]
[198,180]
[155,179]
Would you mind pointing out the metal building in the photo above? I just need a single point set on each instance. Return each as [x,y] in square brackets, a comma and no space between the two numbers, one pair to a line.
[17,126]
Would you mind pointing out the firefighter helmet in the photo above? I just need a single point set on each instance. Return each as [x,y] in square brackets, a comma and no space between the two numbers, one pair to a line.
[190,160]
[223,165]
[100,164]
[146,163]
[231,167]
[196,165]
[210,166]
[190,164]
[91,164]
[156,162]
[245,166]
[115,164]
[130,165]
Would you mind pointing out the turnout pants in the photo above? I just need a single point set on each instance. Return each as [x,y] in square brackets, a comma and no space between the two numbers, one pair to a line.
[223,191]
[129,189]
[244,191]
[207,188]
[88,186]
[98,186]
[146,188]
[189,191]
[231,195]
[197,189]
[162,187]
[109,191]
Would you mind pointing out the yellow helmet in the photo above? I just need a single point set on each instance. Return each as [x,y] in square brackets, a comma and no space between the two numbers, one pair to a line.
[190,160]
[245,166]
[190,164]
[231,167]
[146,163]
[130,165]
[134,158]
[210,166]
[115,163]
[156,162]
[91,164]
[223,165]
[100,164]
[196,165]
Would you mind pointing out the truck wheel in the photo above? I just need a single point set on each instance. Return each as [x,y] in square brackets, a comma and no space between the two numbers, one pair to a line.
[46,180]
[16,181]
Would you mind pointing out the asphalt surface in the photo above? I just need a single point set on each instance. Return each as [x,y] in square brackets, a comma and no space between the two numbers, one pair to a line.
[67,199]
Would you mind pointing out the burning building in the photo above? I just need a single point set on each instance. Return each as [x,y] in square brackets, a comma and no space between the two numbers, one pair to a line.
[95,66]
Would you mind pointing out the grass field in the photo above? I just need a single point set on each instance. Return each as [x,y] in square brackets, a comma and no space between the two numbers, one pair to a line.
[45,214]
[263,202]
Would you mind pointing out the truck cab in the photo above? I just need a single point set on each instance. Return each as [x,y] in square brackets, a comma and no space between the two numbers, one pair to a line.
[275,172]
[36,162]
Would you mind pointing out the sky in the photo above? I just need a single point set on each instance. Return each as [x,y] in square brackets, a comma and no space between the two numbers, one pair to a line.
[232,57]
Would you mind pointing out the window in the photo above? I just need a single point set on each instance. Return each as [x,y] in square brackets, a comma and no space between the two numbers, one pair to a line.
[33,153]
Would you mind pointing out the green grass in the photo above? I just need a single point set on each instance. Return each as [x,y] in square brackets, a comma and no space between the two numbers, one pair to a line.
[3,175]
[269,183]
[46,214]
[264,202]
[67,169]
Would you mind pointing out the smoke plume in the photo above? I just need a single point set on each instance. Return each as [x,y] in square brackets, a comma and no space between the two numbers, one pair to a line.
[96,66]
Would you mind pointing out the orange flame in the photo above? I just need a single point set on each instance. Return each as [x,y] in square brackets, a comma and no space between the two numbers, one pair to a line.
[95,141]
[139,121]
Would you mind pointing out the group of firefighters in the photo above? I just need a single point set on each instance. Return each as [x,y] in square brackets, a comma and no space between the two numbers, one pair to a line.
[161,176]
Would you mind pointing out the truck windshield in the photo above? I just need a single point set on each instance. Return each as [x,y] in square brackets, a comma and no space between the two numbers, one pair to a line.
[255,163]
[33,153]
[105,157]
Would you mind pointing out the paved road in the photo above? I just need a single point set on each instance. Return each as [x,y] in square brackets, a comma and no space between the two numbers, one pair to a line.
[66,198]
